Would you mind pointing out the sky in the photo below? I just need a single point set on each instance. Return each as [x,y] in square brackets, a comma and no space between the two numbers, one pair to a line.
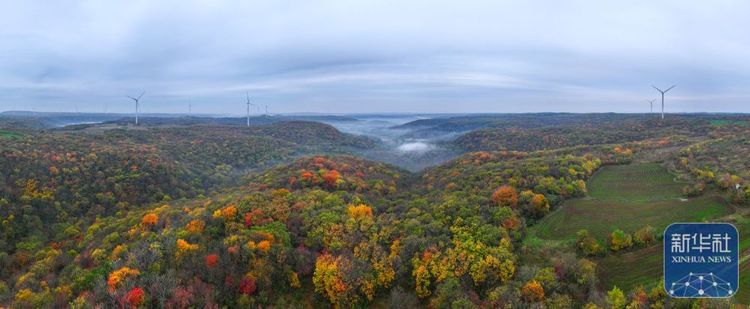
[374,56]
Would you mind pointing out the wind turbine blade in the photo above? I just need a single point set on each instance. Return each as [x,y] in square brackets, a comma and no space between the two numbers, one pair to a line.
[656,88]
[142,93]
[132,98]
[670,88]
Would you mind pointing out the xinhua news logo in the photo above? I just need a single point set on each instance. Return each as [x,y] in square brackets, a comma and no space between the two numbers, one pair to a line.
[701,260]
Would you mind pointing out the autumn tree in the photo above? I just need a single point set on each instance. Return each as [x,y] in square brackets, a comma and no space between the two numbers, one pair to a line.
[135,297]
[328,278]
[118,276]
[620,240]
[211,260]
[228,213]
[184,247]
[150,220]
[248,285]
[505,196]
[616,298]
[587,244]
[532,291]
[195,226]
[360,211]
[533,204]
[645,236]
[331,177]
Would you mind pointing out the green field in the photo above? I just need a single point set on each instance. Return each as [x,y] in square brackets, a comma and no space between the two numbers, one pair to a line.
[628,270]
[628,197]
[721,122]
[644,267]
[9,134]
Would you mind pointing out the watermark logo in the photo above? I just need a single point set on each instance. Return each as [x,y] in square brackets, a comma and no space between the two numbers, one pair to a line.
[701,260]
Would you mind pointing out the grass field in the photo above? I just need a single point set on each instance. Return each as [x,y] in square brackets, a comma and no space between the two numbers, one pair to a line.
[628,197]
[721,122]
[9,134]
[628,270]
[645,266]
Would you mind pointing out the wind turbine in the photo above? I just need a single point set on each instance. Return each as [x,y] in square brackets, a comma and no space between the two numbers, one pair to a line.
[136,105]
[652,105]
[662,97]
[248,108]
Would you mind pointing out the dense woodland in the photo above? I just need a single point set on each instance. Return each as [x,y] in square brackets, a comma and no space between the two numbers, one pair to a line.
[288,215]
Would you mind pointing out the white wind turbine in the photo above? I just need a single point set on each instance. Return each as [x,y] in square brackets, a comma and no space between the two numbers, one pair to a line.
[137,102]
[662,97]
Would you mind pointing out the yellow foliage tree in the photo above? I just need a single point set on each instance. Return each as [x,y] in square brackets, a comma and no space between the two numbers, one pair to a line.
[184,247]
[359,211]
[328,279]
[116,277]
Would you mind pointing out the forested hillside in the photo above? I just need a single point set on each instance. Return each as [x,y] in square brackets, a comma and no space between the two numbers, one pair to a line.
[224,216]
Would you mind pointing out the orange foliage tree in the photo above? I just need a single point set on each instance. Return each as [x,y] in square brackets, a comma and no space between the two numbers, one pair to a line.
[532,291]
[505,196]
[331,177]
[184,247]
[228,213]
[195,226]
[117,276]
[150,219]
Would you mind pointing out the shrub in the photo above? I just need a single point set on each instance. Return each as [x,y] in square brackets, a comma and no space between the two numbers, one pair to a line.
[645,236]
[620,240]
[587,244]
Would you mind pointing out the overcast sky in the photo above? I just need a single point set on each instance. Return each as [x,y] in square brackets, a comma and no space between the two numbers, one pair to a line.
[374,56]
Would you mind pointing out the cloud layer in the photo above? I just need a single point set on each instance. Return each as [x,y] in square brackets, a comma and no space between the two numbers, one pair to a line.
[374,56]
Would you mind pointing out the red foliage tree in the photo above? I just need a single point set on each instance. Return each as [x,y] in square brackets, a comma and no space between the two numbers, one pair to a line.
[247,285]
[331,177]
[134,297]
[306,175]
[211,260]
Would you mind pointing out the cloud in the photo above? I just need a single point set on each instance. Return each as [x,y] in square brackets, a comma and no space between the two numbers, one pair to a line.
[374,56]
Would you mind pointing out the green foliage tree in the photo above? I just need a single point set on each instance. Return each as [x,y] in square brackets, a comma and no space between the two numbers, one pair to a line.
[616,298]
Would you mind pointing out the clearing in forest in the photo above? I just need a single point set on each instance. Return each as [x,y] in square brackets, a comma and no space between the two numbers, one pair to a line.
[629,197]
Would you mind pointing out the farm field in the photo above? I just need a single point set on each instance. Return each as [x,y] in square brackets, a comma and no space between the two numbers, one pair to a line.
[644,267]
[628,197]
[9,134]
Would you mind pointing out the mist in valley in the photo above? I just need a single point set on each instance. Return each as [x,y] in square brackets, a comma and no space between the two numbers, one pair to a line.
[403,146]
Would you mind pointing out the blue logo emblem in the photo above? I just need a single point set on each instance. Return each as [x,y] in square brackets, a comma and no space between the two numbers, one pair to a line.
[701,260]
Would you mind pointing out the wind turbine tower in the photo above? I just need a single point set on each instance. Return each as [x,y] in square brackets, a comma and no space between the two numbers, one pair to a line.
[662,97]
[652,105]
[137,102]
[248,108]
